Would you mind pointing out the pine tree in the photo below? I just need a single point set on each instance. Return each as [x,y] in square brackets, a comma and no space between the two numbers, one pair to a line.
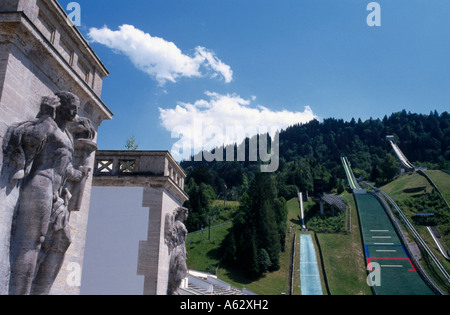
[259,229]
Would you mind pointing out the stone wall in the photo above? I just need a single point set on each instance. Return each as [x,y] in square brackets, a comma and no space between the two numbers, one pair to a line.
[163,182]
[154,253]
[40,54]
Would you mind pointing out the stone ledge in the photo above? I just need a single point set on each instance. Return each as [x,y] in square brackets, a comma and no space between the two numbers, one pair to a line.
[21,24]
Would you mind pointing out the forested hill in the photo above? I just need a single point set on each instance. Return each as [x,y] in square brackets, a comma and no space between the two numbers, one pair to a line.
[313,150]
[423,138]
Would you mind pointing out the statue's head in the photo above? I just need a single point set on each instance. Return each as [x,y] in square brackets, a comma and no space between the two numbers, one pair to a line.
[68,109]
[181,214]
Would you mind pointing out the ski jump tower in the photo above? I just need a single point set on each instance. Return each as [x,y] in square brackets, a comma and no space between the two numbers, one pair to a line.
[403,160]
[302,212]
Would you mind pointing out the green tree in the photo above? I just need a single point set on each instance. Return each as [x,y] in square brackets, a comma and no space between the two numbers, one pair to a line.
[130,144]
[201,197]
[389,167]
[259,228]
[264,260]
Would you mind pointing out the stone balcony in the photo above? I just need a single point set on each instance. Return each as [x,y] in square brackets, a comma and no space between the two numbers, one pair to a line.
[139,169]
[162,180]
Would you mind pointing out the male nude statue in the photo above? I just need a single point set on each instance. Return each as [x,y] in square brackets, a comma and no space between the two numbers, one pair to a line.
[175,238]
[42,152]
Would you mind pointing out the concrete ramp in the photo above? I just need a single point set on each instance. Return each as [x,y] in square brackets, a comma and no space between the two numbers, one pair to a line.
[406,164]
[309,269]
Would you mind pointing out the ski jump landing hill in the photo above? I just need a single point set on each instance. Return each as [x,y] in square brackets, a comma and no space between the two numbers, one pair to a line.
[383,246]
[406,164]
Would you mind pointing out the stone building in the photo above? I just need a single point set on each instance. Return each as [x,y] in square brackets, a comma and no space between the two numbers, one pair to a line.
[162,180]
[40,54]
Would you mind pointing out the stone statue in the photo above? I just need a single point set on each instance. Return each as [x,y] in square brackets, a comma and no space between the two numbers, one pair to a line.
[41,156]
[175,238]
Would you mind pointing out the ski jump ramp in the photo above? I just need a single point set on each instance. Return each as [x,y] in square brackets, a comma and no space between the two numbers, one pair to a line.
[406,164]
[309,270]
[352,182]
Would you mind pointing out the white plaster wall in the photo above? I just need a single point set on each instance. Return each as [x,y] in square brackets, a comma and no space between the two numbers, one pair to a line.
[117,222]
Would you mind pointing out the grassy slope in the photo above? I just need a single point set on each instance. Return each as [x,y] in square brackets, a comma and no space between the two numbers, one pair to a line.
[342,253]
[203,256]
[407,186]
[442,181]
[273,283]
[202,252]
[343,258]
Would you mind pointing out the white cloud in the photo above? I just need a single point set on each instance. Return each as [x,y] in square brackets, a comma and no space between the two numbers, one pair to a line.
[210,59]
[159,58]
[223,119]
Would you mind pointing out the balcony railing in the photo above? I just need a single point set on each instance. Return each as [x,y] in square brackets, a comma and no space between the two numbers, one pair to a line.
[138,163]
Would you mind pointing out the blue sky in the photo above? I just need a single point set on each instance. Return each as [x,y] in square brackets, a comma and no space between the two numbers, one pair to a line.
[268,61]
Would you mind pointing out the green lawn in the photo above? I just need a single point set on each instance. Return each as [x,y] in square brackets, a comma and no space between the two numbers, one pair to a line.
[344,259]
[442,181]
[342,254]
[407,185]
[272,283]
[203,255]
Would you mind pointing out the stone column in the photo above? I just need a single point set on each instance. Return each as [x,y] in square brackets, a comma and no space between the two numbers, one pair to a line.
[153,262]
[149,250]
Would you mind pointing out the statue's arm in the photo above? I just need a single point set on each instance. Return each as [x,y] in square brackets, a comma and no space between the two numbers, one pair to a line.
[24,141]
[76,175]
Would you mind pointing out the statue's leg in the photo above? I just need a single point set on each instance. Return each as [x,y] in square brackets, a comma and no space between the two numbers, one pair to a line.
[51,260]
[29,228]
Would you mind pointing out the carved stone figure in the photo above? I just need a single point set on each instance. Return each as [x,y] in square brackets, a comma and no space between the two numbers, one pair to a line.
[83,133]
[41,155]
[175,238]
